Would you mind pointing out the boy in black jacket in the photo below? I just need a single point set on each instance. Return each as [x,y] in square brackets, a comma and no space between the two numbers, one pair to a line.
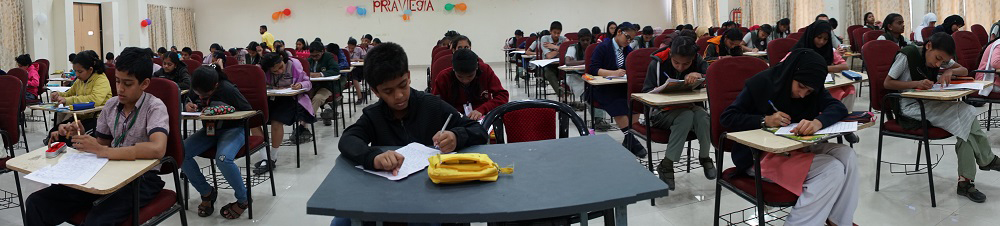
[402,116]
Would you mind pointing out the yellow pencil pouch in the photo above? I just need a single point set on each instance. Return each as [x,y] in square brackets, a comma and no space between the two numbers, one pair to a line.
[459,168]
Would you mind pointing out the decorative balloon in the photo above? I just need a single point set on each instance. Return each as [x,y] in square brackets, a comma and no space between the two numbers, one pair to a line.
[287,12]
[149,22]
[449,6]
[406,17]
[351,9]
[362,11]
[275,15]
[461,6]
[143,23]
[408,12]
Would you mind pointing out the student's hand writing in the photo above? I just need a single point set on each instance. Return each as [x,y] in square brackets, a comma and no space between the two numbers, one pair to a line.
[389,161]
[754,50]
[445,141]
[190,107]
[923,84]
[70,129]
[315,74]
[807,127]
[297,86]
[945,78]
[54,96]
[693,77]
[619,73]
[53,136]
[777,119]
[842,51]
[89,144]
[475,115]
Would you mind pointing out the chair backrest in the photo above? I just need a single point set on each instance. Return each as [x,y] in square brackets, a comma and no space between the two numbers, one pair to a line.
[528,42]
[517,42]
[659,40]
[227,53]
[856,38]
[871,36]
[796,35]
[927,32]
[230,61]
[191,65]
[346,54]
[586,56]
[249,79]
[850,30]
[744,30]
[967,48]
[158,61]
[10,86]
[305,65]
[802,30]
[562,51]
[436,49]
[777,49]
[668,31]
[911,36]
[110,73]
[725,80]
[199,53]
[107,65]
[702,44]
[440,64]
[879,55]
[636,64]
[168,92]
[440,54]
[533,119]
[22,77]
[43,74]
[572,36]
[197,57]
[980,33]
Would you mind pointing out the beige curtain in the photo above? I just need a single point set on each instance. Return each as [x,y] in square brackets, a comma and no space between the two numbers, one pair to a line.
[804,12]
[949,7]
[756,12]
[158,29]
[183,27]
[708,12]
[682,12]
[982,12]
[857,8]
[12,30]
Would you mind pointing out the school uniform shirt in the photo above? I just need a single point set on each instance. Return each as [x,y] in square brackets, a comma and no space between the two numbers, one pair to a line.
[96,89]
[660,69]
[268,38]
[425,114]
[293,74]
[547,39]
[489,91]
[572,51]
[639,43]
[358,54]
[179,76]
[328,67]
[902,39]
[760,45]
[150,116]
[251,59]
[953,117]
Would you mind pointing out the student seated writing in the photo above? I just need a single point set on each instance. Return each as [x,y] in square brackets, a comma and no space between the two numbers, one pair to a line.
[356,54]
[91,85]
[548,47]
[401,116]
[212,49]
[470,86]
[175,70]
[575,56]
[918,68]
[133,125]
[254,51]
[283,72]
[725,45]
[680,61]
[757,40]
[214,89]
[607,60]
[824,175]
[645,40]
[323,64]
[782,29]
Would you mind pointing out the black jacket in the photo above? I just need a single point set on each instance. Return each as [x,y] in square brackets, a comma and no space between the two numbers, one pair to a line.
[425,115]
[225,94]
[179,76]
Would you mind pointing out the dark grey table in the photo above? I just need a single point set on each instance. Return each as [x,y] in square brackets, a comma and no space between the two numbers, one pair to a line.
[551,178]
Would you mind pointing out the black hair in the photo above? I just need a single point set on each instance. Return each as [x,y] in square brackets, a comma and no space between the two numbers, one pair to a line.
[728,23]
[533,35]
[688,33]
[72,57]
[607,28]
[766,28]
[833,23]
[451,34]
[23,60]
[784,21]
[555,25]
[376,40]
[817,28]
[647,30]
[252,46]
[161,50]
[178,64]
[683,46]
[88,59]
[270,59]
[264,27]
[152,54]
[234,51]
[172,48]
[454,42]
[952,20]
[942,41]
[133,61]
[544,33]
[303,41]
[734,34]
[595,30]
[889,19]
[688,27]
[205,78]
[278,43]
[388,61]
[367,36]
[584,33]
[352,41]
[518,33]
[186,50]
[109,56]
[821,15]
[316,47]
[465,61]
[679,27]
[215,46]
[864,19]
[333,48]
[624,27]
[219,55]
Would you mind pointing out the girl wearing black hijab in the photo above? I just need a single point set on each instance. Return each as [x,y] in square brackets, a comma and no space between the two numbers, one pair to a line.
[817,37]
[821,174]
[951,24]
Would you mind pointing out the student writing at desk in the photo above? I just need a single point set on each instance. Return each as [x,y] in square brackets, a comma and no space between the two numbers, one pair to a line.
[918,68]
[574,57]
[323,64]
[401,116]
[608,59]
[757,40]
[725,45]
[282,72]
[548,47]
[824,175]
[680,61]
[470,84]
[214,89]
[175,70]
[782,29]
[133,125]
[91,86]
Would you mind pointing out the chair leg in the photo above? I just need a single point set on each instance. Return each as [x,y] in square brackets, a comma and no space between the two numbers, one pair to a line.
[20,197]
[267,151]
[215,181]
[878,162]
[312,126]
[759,187]
[182,203]
[718,188]
[248,182]
[689,157]
[989,116]
[187,192]
[298,146]
[930,172]
[916,165]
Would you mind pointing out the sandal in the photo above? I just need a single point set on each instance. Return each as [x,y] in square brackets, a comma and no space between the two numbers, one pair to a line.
[207,206]
[233,210]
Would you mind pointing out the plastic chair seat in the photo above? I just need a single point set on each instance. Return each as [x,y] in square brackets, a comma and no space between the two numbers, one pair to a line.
[774,194]
[934,133]
[162,202]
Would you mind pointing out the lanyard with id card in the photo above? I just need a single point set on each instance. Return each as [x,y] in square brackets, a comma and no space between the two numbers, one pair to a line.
[468,109]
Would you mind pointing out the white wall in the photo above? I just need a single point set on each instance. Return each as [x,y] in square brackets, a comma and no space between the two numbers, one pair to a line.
[234,23]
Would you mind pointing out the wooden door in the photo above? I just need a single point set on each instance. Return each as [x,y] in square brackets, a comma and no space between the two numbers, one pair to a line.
[87,27]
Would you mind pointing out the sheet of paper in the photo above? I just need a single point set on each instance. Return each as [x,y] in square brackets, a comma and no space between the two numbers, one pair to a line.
[73,168]
[543,63]
[190,113]
[829,79]
[282,91]
[839,127]
[324,79]
[60,89]
[969,85]
[415,157]
[517,52]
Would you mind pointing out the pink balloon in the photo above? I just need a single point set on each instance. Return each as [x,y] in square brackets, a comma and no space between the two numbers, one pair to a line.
[351,9]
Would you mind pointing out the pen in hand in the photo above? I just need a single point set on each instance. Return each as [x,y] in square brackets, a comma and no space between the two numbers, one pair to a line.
[446,121]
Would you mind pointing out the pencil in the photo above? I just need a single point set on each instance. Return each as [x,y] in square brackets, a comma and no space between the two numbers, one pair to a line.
[77,122]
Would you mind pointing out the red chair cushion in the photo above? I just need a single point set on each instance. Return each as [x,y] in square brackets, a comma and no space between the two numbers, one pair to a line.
[773,193]
[934,133]
[778,48]
[870,36]
[530,124]
[256,142]
[967,48]
[160,203]
[3,163]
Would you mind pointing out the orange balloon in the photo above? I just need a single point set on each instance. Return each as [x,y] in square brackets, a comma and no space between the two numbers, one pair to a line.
[275,15]
[288,12]
[461,6]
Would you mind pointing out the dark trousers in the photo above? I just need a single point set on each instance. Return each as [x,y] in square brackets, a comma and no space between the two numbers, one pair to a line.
[56,204]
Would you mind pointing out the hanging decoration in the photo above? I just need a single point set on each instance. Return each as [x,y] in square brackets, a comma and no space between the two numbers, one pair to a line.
[351,9]
[281,14]
[287,12]
[362,11]
[461,6]
[143,23]
[449,6]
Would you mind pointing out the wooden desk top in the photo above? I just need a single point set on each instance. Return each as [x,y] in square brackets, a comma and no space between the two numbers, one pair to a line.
[665,99]
[526,56]
[839,80]
[226,117]
[756,54]
[325,79]
[768,142]
[357,64]
[852,54]
[600,81]
[271,93]
[944,95]
[49,109]
[573,68]
[112,177]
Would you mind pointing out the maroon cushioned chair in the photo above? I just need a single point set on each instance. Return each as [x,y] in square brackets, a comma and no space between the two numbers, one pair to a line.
[967,49]
[158,61]
[777,49]
[796,35]
[981,34]
[192,65]
[857,37]
[443,62]
[870,36]
[230,61]
[927,32]
[533,120]
[10,130]
[702,44]
[112,78]
[572,36]
[879,55]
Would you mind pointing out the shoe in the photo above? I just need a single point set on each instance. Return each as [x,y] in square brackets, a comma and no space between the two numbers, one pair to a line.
[602,126]
[852,138]
[994,165]
[975,103]
[666,171]
[327,116]
[709,166]
[303,135]
[338,100]
[637,149]
[261,167]
[967,189]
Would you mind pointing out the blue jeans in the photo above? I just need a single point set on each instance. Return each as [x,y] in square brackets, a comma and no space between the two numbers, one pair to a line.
[340,221]
[227,144]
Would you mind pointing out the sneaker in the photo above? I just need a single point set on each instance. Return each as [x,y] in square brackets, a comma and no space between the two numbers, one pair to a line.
[967,189]
[327,116]
[666,171]
[303,136]
[852,138]
[262,167]
[994,165]
[709,166]
[602,126]
[637,149]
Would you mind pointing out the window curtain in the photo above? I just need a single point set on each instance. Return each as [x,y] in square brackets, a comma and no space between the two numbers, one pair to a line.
[708,12]
[682,12]
[857,8]
[183,27]
[805,12]
[949,7]
[982,12]
[757,12]
[157,30]
[12,27]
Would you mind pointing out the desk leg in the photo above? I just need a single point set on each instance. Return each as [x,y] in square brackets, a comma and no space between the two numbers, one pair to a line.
[356,222]
[584,219]
[378,223]
[589,89]
[135,201]
[621,216]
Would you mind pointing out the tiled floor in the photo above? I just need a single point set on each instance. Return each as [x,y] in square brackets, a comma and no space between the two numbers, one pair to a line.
[903,200]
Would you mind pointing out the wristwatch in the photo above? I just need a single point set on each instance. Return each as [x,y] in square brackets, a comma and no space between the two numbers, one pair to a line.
[763,122]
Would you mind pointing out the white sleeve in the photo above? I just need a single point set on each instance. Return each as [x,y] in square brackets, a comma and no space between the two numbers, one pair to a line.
[571,53]
[951,63]
[634,44]
[880,37]
[899,65]
[749,40]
